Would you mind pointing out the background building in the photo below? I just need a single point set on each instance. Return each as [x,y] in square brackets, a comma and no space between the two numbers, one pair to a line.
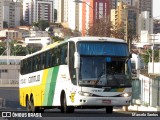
[1,14]
[34,10]
[145,23]
[73,15]
[145,5]
[114,3]
[93,10]
[9,13]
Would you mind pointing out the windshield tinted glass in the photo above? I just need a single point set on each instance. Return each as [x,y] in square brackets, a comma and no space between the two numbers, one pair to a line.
[101,69]
[96,69]
[103,48]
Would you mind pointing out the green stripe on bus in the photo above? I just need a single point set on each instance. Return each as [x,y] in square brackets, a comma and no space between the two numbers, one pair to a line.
[52,86]
[47,87]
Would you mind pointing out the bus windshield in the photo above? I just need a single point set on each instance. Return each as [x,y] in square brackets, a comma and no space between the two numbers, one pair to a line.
[104,64]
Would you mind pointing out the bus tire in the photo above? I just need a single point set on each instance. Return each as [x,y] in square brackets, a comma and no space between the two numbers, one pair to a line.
[28,105]
[109,109]
[64,107]
[32,105]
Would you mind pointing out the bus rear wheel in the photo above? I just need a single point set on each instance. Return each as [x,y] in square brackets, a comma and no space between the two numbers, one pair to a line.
[31,108]
[109,109]
[64,107]
[28,105]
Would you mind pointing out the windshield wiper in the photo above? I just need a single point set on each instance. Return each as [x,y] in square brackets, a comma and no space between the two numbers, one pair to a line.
[98,78]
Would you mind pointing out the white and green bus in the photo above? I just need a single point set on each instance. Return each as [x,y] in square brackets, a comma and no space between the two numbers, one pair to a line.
[81,72]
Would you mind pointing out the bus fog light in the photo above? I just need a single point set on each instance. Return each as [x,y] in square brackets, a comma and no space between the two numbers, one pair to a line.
[85,93]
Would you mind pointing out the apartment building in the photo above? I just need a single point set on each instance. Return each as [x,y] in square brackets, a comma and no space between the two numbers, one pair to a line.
[9,13]
[145,23]
[93,10]
[1,14]
[114,3]
[145,5]
[34,10]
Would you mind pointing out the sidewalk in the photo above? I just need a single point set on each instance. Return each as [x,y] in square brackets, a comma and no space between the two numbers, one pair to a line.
[141,108]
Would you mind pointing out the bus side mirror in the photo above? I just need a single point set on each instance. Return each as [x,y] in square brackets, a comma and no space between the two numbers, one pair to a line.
[76,60]
[130,55]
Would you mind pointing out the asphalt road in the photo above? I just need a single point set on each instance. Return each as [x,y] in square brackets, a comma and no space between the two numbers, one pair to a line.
[11,96]
[12,105]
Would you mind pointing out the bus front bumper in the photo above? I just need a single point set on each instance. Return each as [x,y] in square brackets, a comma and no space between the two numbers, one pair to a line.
[102,101]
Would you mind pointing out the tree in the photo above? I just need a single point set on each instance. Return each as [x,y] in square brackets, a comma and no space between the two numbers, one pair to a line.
[147,56]
[101,27]
[2,47]
[23,23]
[56,38]
[67,32]
[5,24]
[42,24]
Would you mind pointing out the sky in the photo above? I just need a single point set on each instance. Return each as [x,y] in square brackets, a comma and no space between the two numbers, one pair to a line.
[156,9]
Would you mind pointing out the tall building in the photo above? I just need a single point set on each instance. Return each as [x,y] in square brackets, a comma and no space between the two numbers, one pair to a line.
[9,13]
[68,14]
[1,14]
[145,23]
[145,5]
[114,3]
[34,10]
[60,14]
[63,9]
[73,15]
[93,10]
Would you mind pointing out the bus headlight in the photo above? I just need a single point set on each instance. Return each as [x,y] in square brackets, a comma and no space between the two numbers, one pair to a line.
[126,94]
[85,93]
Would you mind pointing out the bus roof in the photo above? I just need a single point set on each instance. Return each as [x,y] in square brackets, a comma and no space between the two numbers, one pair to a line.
[109,39]
[77,39]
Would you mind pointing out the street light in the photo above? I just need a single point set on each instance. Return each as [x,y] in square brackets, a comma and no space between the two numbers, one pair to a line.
[153,46]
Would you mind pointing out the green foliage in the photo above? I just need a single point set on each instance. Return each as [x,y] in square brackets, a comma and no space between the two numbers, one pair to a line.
[2,48]
[17,50]
[148,56]
[41,24]
[56,38]
[5,24]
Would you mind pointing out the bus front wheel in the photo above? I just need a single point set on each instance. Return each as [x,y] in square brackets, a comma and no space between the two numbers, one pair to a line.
[64,107]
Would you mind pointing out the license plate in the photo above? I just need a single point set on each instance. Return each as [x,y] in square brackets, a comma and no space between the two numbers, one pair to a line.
[106,101]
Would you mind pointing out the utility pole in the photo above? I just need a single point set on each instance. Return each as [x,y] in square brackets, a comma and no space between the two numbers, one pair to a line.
[153,39]
[126,28]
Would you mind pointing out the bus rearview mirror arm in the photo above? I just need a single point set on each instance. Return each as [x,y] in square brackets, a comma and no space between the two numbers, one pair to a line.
[76,60]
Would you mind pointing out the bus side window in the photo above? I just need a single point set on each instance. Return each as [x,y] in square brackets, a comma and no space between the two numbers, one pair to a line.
[30,65]
[34,64]
[50,59]
[38,62]
[72,70]
[47,59]
[54,52]
[42,64]
[26,67]
[22,67]
[58,56]
[64,54]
